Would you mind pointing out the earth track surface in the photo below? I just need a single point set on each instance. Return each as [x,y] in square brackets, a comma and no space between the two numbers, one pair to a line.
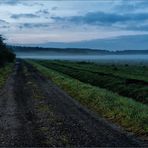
[35,112]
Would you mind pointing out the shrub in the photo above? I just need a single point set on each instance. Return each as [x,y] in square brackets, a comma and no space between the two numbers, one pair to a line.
[6,55]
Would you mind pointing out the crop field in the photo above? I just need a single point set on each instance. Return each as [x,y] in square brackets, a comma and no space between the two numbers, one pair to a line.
[116,92]
[128,81]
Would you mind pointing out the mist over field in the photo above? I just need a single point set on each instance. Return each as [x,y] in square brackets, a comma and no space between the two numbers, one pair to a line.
[102,56]
[93,58]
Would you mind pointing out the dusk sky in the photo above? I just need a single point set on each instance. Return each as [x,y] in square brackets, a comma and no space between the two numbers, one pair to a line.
[80,23]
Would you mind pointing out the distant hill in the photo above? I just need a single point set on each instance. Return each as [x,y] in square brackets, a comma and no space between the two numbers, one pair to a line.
[132,52]
[72,51]
[58,50]
[129,42]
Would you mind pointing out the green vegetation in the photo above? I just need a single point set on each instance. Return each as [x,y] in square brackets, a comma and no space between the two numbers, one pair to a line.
[98,76]
[125,71]
[122,110]
[4,73]
[6,55]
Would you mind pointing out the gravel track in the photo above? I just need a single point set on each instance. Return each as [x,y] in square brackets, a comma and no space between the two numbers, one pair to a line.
[35,112]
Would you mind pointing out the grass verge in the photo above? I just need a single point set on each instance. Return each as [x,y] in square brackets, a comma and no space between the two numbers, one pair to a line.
[132,115]
[4,73]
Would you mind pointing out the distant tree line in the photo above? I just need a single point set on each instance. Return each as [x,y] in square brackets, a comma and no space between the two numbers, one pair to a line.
[6,55]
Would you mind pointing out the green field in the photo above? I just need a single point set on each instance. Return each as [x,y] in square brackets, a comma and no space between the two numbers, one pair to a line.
[78,80]
[123,80]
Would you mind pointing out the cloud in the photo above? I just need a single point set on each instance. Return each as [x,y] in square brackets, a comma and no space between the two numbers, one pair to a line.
[127,21]
[3,22]
[128,6]
[27,15]
[96,18]
[33,25]
[31,3]
[3,25]
[54,8]
[43,12]
[137,27]
[9,2]
[22,2]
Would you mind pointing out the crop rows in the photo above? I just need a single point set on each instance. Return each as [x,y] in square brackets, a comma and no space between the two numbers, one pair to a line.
[135,89]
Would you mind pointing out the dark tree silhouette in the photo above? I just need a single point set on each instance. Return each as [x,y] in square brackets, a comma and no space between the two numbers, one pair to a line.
[6,55]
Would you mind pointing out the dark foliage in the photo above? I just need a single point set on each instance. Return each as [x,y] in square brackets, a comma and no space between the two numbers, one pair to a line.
[6,55]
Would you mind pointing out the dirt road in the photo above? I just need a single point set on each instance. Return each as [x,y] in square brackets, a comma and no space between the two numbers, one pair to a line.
[34,112]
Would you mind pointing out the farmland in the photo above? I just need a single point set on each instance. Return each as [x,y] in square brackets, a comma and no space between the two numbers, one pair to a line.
[128,81]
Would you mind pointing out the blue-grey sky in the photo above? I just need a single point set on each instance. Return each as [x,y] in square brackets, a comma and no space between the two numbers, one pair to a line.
[112,24]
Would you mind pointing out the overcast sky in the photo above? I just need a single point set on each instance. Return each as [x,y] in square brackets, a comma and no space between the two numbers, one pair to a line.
[43,21]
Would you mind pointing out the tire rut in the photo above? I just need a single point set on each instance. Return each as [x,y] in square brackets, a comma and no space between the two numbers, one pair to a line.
[8,120]
[17,118]
[28,133]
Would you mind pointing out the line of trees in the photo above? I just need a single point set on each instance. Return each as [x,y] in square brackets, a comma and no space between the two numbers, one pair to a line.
[6,55]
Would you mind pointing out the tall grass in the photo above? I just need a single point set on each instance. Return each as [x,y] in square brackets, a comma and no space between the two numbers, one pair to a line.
[4,73]
[133,116]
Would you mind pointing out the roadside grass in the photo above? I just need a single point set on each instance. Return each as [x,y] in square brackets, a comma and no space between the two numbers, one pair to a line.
[132,88]
[132,115]
[4,73]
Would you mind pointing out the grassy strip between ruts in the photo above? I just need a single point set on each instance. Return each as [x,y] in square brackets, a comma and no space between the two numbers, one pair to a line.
[133,116]
[4,73]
